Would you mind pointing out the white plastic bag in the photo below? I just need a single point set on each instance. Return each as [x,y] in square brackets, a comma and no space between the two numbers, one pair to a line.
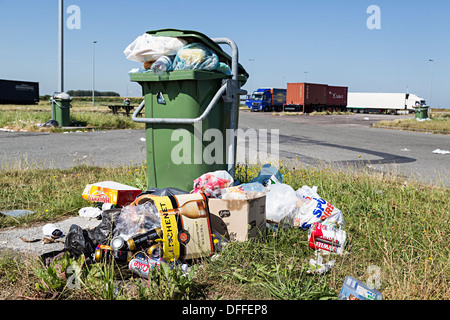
[281,201]
[315,209]
[149,48]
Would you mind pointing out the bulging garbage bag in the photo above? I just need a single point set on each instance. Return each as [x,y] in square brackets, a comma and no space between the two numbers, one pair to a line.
[196,56]
[137,219]
[210,183]
[281,201]
[149,48]
[268,175]
[315,209]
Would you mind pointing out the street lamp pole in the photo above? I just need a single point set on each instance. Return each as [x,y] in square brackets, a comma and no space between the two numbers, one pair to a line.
[431,81]
[93,72]
[60,46]
[251,73]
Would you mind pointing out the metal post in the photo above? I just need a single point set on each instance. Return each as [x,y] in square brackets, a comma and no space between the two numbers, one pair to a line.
[431,81]
[93,72]
[61,46]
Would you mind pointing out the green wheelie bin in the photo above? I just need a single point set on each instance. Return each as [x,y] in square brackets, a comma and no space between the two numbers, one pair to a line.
[61,110]
[191,117]
[421,112]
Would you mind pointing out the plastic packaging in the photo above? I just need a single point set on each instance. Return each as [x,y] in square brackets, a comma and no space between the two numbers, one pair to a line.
[149,48]
[196,56]
[162,65]
[315,209]
[224,68]
[353,289]
[139,219]
[210,183]
[281,201]
[269,175]
[253,186]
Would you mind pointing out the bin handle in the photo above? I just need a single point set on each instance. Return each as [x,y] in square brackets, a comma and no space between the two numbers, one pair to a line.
[205,113]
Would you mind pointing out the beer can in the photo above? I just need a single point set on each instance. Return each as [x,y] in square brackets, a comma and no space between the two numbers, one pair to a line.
[155,251]
[117,243]
[144,240]
[106,252]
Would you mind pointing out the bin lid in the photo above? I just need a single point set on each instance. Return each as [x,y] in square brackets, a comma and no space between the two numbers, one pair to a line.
[181,75]
[195,36]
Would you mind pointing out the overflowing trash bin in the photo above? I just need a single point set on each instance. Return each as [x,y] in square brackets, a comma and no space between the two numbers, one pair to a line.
[191,93]
[421,112]
[61,108]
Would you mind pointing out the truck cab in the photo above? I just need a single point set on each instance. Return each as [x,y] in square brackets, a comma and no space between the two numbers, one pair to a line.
[267,99]
[260,100]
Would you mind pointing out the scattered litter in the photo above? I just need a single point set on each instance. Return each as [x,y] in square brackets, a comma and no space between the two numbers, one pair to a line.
[210,183]
[51,123]
[366,118]
[143,139]
[16,213]
[353,289]
[405,149]
[439,151]
[422,120]
[318,266]
[110,192]
[90,212]
[51,230]
[268,175]
[326,238]
[313,208]
[172,228]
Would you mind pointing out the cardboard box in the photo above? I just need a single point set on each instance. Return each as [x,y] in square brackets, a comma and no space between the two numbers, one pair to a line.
[239,220]
[110,192]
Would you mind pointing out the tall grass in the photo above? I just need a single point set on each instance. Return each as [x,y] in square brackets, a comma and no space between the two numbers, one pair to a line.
[400,227]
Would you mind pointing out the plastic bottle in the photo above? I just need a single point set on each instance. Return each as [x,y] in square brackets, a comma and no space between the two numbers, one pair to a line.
[162,65]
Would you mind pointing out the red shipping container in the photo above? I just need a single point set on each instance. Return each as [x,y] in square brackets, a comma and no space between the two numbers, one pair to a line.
[306,94]
[337,96]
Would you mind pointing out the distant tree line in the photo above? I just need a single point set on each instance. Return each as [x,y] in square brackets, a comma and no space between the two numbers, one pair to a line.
[88,93]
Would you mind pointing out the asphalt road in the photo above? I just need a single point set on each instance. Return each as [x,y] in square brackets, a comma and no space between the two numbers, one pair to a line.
[310,140]
[338,140]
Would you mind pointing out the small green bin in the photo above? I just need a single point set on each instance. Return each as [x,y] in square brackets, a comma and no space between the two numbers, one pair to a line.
[421,112]
[179,153]
[61,111]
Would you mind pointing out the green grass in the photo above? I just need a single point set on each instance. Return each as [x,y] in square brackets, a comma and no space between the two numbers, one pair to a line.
[31,121]
[437,124]
[399,226]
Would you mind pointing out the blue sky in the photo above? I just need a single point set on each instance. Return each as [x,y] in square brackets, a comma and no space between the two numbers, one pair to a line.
[328,39]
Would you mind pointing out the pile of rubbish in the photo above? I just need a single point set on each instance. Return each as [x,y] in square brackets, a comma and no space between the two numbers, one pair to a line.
[159,54]
[175,227]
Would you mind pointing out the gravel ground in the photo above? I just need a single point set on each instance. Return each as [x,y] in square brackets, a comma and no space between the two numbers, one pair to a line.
[10,239]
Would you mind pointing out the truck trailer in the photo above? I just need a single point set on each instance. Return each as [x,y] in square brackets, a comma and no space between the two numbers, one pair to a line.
[19,92]
[267,99]
[306,97]
[337,98]
[383,102]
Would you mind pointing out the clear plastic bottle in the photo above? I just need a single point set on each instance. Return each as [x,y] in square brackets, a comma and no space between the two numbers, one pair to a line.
[162,65]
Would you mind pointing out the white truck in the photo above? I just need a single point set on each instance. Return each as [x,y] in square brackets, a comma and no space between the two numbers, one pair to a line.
[399,103]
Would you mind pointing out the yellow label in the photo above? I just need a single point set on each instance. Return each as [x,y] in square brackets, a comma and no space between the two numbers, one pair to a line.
[171,245]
